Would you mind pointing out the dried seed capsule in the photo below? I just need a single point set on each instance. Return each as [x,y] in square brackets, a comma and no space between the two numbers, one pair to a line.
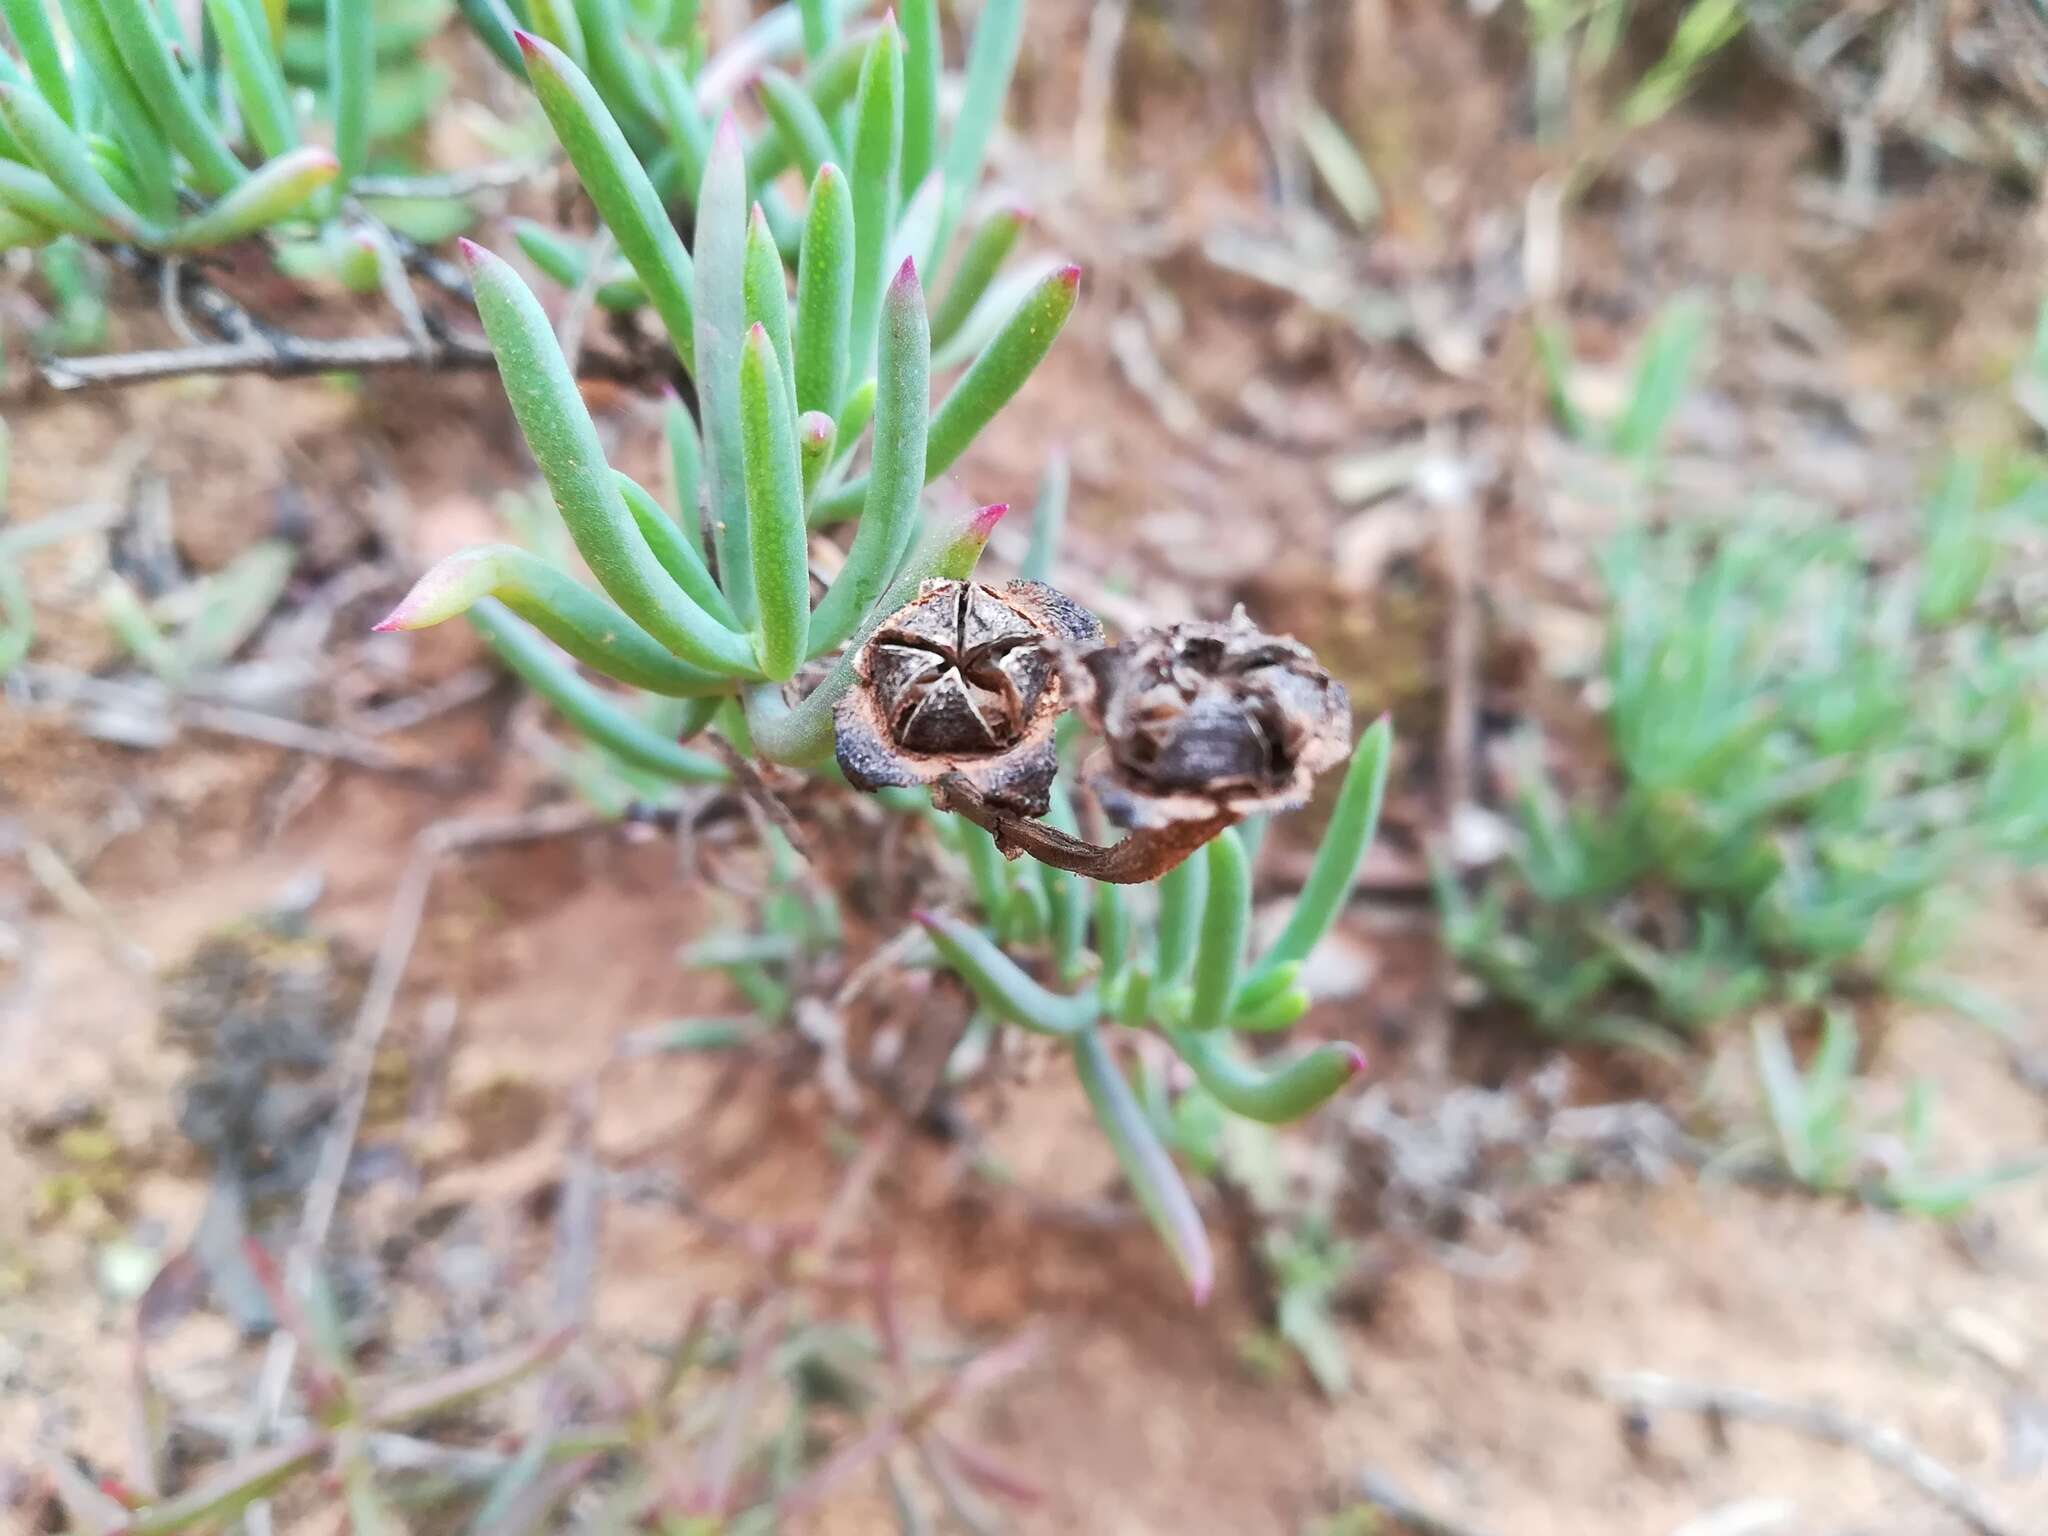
[964,679]
[1203,720]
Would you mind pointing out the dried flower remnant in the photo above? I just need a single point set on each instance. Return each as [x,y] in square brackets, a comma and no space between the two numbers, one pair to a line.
[964,680]
[1204,722]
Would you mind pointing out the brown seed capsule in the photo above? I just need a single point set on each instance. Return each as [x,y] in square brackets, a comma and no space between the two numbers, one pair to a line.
[1200,720]
[964,679]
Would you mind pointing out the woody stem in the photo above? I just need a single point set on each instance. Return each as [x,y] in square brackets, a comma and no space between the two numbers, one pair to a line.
[1138,859]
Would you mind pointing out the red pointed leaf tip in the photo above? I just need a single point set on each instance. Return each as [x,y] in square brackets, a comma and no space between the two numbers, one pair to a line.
[1070,275]
[984,522]
[1354,1058]
[924,919]
[472,253]
[389,622]
[906,275]
[726,139]
[757,336]
[528,43]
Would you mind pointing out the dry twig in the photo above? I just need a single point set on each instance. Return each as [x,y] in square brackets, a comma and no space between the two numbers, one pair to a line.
[1889,1448]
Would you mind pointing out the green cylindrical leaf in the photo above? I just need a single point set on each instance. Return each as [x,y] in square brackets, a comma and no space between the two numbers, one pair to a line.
[767,296]
[351,74]
[1147,1167]
[994,378]
[612,175]
[1182,893]
[568,613]
[37,39]
[62,156]
[821,25]
[877,144]
[987,386]
[1226,920]
[1276,1097]
[775,512]
[806,138]
[889,519]
[800,736]
[560,23]
[815,434]
[721,245]
[18,232]
[564,443]
[276,191]
[1112,930]
[1048,519]
[921,66]
[1283,1010]
[170,96]
[824,293]
[493,22]
[260,90]
[689,135]
[1067,916]
[678,556]
[584,707]
[617,72]
[1001,984]
[149,156]
[991,60]
[987,249]
[1262,987]
[686,470]
[1341,852]
[33,199]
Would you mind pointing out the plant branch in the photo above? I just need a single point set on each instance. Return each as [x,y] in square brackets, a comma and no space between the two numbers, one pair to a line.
[1887,1447]
[1140,858]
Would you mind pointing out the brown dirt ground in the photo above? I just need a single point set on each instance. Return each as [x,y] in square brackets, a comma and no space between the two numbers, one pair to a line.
[1141,1415]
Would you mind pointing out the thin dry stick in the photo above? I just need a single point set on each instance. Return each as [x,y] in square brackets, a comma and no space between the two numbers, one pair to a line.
[1887,1447]
[1384,1496]
[1459,520]
[387,971]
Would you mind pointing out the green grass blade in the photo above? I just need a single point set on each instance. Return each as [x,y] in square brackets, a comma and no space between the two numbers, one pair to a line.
[493,23]
[1048,520]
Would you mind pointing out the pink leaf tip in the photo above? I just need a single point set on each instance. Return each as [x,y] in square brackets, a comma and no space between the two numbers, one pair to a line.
[984,522]
[389,622]
[528,43]
[726,139]
[1354,1058]
[924,919]
[906,275]
[471,251]
[1070,275]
